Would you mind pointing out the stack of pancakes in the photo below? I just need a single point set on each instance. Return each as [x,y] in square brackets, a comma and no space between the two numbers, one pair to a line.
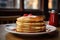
[30,24]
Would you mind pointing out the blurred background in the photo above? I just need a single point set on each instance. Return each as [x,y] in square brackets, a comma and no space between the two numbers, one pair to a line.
[11,9]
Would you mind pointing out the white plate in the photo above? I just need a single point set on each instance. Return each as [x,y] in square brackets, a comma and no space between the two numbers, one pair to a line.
[48,27]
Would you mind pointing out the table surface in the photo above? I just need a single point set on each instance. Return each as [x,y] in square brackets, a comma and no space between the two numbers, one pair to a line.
[4,35]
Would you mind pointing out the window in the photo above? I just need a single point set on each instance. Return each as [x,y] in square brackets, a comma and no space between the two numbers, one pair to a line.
[10,4]
[52,4]
[17,4]
[31,4]
[22,5]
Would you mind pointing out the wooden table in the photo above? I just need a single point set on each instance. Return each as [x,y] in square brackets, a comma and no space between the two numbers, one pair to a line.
[8,36]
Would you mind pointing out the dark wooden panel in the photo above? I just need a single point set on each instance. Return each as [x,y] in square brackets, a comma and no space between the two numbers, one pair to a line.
[46,9]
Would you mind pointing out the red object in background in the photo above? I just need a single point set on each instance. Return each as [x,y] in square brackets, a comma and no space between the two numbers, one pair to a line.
[53,20]
[25,15]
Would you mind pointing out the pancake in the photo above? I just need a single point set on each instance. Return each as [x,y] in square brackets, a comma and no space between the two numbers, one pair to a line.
[30,19]
[19,23]
[30,24]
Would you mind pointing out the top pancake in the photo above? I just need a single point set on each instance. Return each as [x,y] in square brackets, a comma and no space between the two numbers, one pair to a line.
[29,19]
